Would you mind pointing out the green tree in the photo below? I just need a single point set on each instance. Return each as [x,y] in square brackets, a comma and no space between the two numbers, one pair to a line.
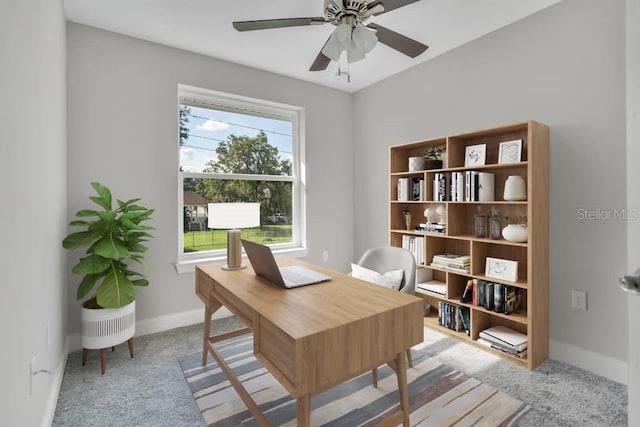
[249,155]
[185,112]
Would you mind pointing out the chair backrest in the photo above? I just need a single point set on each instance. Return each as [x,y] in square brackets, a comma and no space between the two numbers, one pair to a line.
[387,258]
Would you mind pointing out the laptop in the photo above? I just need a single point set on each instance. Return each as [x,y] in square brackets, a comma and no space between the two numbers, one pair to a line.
[264,265]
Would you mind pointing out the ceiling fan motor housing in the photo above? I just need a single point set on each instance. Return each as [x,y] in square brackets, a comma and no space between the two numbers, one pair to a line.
[339,12]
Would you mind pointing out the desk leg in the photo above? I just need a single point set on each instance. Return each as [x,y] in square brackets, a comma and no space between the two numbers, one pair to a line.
[304,411]
[401,372]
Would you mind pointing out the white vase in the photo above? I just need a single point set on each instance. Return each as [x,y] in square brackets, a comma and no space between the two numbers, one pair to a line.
[416,163]
[516,233]
[107,327]
[515,188]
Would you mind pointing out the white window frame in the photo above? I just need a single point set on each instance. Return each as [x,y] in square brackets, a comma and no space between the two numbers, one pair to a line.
[214,99]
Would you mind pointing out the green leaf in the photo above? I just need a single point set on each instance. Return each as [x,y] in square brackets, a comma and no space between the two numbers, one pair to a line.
[88,282]
[116,289]
[111,247]
[137,258]
[104,193]
[100,202]
[137,247]
[140,282]
[81,239]
[91,265]
[107,216]
[79,223]
[86,212]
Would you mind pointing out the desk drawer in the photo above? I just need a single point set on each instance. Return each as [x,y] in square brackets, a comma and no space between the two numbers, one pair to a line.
[278,348]
[235,305]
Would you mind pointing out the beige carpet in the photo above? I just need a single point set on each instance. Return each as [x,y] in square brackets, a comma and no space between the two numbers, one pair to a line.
[439,395]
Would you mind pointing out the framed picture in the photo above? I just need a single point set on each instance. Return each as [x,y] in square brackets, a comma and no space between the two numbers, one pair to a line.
[510,151]
[501,269]
[475,155]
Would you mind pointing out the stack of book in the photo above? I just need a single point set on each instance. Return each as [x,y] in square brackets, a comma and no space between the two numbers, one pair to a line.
[415,245]
[470,186]
[432,227]
[453,262]
[506,340]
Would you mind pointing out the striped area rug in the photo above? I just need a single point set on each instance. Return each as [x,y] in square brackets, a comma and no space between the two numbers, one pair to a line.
[439,395]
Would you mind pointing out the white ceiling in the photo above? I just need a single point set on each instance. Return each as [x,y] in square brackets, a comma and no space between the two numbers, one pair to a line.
[204,26]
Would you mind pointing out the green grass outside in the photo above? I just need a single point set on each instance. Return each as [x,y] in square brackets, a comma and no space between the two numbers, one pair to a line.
[209,240]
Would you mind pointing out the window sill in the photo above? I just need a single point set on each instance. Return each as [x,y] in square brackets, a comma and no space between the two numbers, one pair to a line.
[189,266]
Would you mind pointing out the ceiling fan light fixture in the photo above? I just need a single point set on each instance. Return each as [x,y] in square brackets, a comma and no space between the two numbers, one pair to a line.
[354,53]
[364,38]
[343,33]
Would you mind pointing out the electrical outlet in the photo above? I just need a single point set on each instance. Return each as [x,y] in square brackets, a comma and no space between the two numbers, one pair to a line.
[578,299]
[325,255]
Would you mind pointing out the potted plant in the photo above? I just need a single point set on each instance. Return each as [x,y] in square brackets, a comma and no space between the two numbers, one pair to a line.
[114,237]
[433,157]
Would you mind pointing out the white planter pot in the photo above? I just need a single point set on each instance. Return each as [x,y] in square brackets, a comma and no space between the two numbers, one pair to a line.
[107,327]
[516,233]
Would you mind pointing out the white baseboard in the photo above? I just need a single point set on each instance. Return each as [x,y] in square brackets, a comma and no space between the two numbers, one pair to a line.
[159,324]
[54,387]
[599,364]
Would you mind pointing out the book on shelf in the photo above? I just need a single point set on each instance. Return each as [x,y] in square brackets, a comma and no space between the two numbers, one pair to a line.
[415,245]
[467,293]
[454,317]
[403,189]
[417,189]
[453,258]
[435,286]
[450,268]
[496,297]
[519,354]
[505,337]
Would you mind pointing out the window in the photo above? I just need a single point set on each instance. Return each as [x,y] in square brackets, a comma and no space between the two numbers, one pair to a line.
[236,149]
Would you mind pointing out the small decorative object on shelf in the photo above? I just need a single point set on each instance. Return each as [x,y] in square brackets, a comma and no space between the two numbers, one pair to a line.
[408,221]
[416,164]
[504,269]
[515,188]
[433,157]
[442,214]
[496,223]
[430,214]
[475,155]
[480,224]
[516,233]
[510,151]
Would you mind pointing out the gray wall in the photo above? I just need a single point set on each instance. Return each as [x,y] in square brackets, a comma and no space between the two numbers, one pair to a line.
[33,213]
[633,198]
[122,101]
[564,67]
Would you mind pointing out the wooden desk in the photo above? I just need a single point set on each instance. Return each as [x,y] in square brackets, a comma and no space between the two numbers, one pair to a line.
[314,337]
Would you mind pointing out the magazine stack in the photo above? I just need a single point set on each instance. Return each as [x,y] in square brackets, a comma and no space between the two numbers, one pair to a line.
[506,340]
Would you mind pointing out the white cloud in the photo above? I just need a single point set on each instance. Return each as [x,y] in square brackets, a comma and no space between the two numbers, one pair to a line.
[213,125]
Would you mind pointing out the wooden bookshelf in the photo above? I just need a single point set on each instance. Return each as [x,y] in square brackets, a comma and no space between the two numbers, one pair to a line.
[532,256]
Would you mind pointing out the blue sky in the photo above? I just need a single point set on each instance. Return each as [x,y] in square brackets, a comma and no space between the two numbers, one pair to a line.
[210,126]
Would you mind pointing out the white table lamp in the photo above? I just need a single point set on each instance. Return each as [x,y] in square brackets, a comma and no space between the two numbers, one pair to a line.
[233,217]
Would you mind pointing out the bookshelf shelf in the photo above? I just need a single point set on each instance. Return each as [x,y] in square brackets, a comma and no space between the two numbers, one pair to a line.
[532,318]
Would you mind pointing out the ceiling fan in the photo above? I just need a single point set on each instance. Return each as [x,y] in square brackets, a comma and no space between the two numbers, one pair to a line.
[353,34]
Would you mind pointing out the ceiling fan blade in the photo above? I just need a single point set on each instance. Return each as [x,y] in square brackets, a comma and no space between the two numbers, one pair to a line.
[402,44]
[389,5]
[322,61]
[267,24]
